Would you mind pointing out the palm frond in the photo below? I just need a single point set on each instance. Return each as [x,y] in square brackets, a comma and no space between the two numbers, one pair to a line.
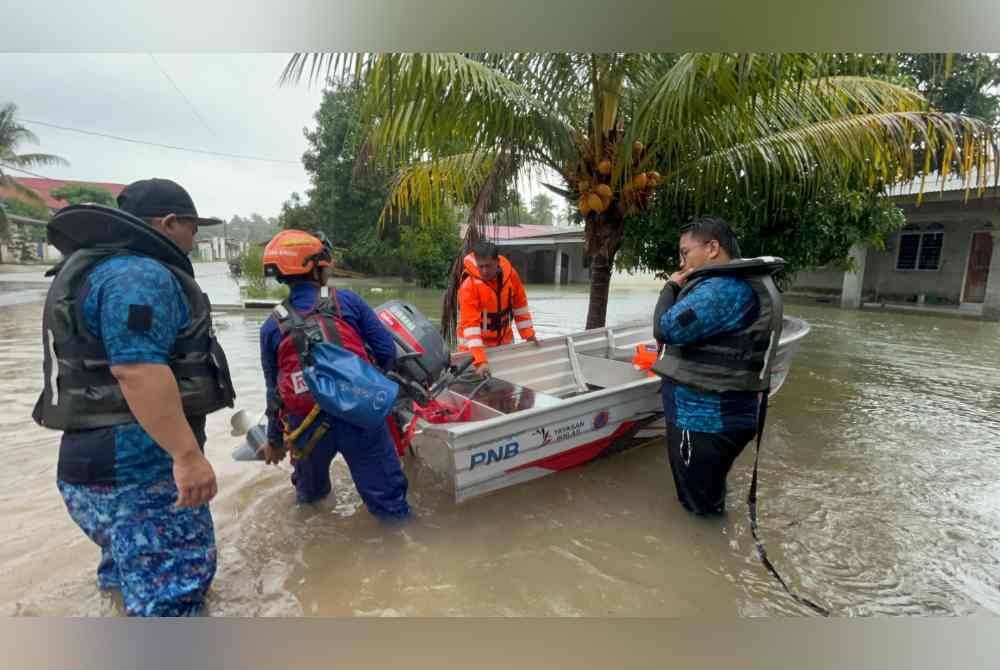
[856,147]
[33,160]
[436,103]
[701,83]
[793,106]
[425,186]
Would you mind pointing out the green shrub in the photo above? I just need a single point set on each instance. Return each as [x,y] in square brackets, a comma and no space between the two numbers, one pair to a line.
[430,248]
[255,284]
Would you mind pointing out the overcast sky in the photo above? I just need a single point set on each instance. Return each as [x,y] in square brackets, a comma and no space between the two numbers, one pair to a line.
[227,103]
[236,106]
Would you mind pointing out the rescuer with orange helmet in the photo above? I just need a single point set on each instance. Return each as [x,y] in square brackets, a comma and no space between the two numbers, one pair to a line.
[304,261]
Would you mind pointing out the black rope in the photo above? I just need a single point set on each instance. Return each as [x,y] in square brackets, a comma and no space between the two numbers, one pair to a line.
[752,512]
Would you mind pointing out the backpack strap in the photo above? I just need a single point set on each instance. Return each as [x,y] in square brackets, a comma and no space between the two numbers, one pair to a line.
[286,316]
[334,300]
[318,325]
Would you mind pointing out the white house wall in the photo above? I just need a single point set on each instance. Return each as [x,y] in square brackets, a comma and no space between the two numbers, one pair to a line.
[884,282]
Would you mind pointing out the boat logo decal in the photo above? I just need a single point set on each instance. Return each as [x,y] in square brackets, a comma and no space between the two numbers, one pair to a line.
[560,433]
[500,453]
[601,419]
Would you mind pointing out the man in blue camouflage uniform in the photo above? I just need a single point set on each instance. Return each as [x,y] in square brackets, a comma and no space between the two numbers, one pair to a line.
[144,499]
[706,431]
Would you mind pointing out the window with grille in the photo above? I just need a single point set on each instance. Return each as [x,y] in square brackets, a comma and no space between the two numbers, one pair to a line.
[920,251]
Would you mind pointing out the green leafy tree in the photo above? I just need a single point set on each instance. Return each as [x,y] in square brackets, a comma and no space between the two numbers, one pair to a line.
[32,209]
[261,229]
[627,131]
[347,191]
[377,254]
[430,248]
[255,228]
[964,83]
[808,231]
[541,210]
[75,194]
[255,284]
[297,214]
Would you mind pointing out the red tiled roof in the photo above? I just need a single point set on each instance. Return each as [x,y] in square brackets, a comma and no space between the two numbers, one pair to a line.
[44,188]
[497,233]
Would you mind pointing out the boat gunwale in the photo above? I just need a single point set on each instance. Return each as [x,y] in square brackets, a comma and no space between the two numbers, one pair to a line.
[460,429]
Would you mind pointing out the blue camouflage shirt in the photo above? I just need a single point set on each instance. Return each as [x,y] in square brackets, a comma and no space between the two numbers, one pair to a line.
[720,305]
[354,311]
[114,289]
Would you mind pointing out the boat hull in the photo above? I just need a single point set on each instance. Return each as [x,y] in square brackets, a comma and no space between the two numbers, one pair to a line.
[557,405]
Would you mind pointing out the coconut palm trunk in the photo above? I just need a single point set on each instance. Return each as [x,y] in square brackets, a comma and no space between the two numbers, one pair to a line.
[600,287]
[604,235]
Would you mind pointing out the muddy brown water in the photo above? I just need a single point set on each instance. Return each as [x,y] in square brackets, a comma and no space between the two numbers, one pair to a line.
[880,494]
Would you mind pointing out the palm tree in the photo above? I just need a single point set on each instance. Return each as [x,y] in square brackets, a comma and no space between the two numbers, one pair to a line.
[12,136]
[619,129]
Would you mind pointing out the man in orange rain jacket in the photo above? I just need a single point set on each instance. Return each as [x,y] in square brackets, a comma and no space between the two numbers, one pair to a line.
[491,301]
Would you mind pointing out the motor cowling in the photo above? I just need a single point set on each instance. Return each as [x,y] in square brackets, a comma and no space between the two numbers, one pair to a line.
[414,333]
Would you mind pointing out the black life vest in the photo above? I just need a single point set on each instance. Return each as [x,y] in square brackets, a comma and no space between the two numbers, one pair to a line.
[735,361]
[80,392]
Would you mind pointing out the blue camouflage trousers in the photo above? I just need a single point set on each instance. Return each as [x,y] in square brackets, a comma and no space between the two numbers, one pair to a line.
[163,559]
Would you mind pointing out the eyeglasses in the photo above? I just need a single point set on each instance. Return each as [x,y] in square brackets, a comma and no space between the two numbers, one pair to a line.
[191,222]
[684,252]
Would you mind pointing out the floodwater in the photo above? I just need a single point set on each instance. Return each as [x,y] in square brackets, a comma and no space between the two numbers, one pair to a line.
[879,494]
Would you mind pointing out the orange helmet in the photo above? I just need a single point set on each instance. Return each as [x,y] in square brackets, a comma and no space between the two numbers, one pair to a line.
[296,252]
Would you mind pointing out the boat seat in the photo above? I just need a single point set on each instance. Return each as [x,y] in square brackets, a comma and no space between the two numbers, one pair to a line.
[604,372]
[548,368]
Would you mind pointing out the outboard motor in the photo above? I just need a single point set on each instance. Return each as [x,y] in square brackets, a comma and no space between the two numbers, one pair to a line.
[422,356]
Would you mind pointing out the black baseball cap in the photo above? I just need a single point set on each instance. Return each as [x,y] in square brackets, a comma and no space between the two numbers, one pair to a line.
[154,198]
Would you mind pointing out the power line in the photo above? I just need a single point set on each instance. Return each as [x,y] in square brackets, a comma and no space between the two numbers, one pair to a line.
[177,88]
[157,144]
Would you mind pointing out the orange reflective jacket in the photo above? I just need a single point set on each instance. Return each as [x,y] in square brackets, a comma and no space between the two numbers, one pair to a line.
[486,309]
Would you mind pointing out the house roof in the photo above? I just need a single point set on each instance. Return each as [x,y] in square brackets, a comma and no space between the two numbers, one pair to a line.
[501,233]
[933,186]
[44,188]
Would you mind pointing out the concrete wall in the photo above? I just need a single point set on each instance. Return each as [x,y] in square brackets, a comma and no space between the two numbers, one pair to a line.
[577,273]
[944,285]
[882,281]
[19,241]
[536,264]
[519,259]
[991,305]
[205,250]
[819,281]
[213,248]
[541,266]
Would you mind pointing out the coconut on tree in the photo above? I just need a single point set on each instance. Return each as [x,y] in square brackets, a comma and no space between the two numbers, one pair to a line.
[621,129]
